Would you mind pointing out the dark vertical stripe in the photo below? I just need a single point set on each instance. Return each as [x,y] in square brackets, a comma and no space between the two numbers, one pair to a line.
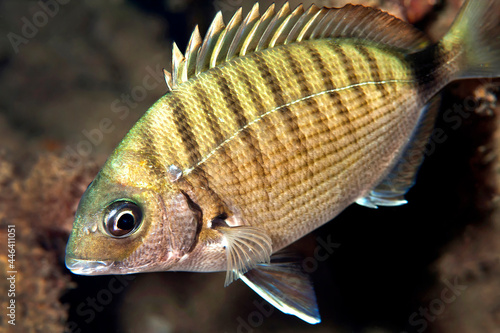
[232,101]
[150,153]
[185,131]
[327,76]
[208,112]
[346,62]
[305,89]
[252,92]
[298,72]
[256,100]
[350,72]
[268,76]
[234,105]
[214,125]
[374,69]
[289,118]
[311,103]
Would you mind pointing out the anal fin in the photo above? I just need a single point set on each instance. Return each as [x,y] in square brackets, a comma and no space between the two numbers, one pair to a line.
[283,284]
[391,190]
[374,200]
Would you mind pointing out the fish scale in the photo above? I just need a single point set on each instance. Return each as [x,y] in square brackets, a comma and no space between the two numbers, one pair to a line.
[245,171]
[290,170]
[271,127]
[355,96]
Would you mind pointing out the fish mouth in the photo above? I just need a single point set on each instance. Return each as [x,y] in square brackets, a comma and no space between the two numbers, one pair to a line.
[88,267]
[104,267]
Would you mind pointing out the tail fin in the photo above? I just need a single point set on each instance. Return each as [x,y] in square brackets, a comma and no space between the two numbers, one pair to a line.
[476,32]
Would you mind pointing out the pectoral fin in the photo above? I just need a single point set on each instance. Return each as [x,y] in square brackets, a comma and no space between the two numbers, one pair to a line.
[246,247]
[283,284]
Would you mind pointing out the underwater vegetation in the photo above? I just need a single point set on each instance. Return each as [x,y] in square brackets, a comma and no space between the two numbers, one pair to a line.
[75,85]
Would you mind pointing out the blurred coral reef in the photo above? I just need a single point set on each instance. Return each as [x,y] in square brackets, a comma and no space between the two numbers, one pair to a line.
[41,205]
[95,60]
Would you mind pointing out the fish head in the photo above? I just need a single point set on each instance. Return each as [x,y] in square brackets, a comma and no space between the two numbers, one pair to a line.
[126,224]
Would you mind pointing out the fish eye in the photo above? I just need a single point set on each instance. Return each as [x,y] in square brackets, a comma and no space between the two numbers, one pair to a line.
[122,218]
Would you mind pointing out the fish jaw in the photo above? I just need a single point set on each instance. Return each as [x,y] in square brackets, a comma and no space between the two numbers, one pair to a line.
[108,267]
[88,267]
[129,265]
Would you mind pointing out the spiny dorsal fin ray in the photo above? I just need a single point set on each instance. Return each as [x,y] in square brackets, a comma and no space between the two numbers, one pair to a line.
[309,26]
[302,24]
[177,65]
[168,79]
[284,29]
[243,31]
[258,29]
[191,54]
[209,43]
[225,39]
[275,22]
[256,33]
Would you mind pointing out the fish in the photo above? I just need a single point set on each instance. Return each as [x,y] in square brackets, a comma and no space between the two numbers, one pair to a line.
[272,125]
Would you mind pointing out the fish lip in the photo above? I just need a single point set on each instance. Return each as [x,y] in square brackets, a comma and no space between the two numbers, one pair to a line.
[88,267]
[102,267]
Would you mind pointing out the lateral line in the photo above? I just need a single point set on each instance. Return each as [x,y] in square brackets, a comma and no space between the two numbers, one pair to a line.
[207,156]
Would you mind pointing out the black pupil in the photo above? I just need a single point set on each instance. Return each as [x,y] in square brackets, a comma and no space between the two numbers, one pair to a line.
[123,217]
[126,222]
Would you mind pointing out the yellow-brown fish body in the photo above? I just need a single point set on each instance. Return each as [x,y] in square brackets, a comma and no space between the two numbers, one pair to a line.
[249,153]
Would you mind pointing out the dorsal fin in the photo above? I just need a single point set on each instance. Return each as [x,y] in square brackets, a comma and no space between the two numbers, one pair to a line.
[259,32]
[209,43]
[168,79]
[301,25]
[194,45]
[282,31]
[225,39]
[177,64]
[275,22]
[243,31]
[311,24]
[258,29]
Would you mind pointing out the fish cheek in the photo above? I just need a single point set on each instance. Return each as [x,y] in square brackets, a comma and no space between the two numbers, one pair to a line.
[99,246]
[172,224]
[147,243]
[117,250]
